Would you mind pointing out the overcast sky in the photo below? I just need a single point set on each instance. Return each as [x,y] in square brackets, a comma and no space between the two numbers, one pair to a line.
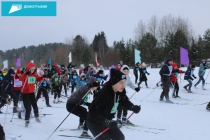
[117,18]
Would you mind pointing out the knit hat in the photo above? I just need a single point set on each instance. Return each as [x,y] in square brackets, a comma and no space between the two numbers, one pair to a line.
[116,76]
[169,59]
[93,82]
[192,66]
[100,72]
[18,71]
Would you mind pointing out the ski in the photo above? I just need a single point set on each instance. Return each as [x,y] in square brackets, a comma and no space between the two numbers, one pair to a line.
[66,129]
[146,131]
[80,137]
[152,128]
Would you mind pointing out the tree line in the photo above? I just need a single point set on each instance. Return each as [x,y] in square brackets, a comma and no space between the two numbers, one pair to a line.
[157,40]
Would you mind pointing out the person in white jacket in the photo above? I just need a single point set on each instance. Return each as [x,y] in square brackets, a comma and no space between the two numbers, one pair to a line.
[125,69]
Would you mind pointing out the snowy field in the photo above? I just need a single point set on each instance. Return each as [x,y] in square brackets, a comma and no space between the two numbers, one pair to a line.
[184,120]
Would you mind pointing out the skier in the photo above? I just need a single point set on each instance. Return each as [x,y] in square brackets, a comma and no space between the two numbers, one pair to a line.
[143,72]
[55,80]
[103,108]
[201,73]
[16,88]
[7,89]
[29,78]
[120,109]
[77,99]
[174,79]
[135,71]
[44,86]
[189,75]
[165,73]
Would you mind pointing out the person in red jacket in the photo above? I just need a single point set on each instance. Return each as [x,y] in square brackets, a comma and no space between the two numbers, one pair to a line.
[16,88]
[174,79]
[29,78]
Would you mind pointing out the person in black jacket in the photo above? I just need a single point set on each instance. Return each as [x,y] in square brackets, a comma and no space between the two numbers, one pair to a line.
[165,73]
[104,107]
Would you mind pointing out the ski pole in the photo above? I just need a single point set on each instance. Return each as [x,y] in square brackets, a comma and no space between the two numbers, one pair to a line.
[129,117]
[68,115]
[101,133]
[6,115]
[132,95]
[149,94]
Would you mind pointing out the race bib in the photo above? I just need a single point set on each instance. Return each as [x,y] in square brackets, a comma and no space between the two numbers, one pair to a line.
[114,108]
[56,79]
[17,83]
[31,80]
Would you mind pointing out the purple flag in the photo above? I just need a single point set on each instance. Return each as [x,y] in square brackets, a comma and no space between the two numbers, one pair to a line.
[18,63]
[184,59]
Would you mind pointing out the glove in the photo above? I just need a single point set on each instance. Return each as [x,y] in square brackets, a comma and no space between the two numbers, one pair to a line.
[105,77]
[148,73]
[136,108]
[28,72]
[111,124]
[137,89]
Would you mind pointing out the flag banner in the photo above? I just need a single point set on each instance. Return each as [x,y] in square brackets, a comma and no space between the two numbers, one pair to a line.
[5,63]
[70,58]
[184,59]
[18,62]
[96,59]
[137,56]
[49,61]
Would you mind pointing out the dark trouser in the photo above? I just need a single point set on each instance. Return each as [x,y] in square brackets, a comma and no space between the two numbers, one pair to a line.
[201,79]
[136,77]
[28,101]
[165,84]
[17,94]
[72,88]
[2,134]
[176,88]
[141,82]
[121,109]
[78,111]
[57,92]
[13,96]
[44,93]
[189,85]
[113,134]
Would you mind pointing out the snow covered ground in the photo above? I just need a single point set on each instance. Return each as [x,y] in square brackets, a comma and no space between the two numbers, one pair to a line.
[186,120]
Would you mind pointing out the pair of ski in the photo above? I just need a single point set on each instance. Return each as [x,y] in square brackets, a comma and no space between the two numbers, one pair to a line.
[134,127]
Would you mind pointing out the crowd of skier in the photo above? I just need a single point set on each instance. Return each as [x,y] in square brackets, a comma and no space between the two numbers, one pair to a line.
[25,86]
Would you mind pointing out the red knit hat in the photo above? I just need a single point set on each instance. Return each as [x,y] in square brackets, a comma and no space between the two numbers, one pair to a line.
[18,71]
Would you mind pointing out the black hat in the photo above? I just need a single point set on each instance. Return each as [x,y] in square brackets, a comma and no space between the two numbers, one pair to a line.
[116,76]
[100,72]
[192,66]
[169,59]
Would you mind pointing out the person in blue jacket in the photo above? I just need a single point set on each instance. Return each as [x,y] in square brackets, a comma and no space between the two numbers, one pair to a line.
[189,76]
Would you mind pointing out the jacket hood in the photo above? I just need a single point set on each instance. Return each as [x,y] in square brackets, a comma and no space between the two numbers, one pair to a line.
[29,66]
[124,66]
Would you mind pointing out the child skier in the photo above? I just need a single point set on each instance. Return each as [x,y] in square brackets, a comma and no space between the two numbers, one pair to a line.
[143,72]
[189,76]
